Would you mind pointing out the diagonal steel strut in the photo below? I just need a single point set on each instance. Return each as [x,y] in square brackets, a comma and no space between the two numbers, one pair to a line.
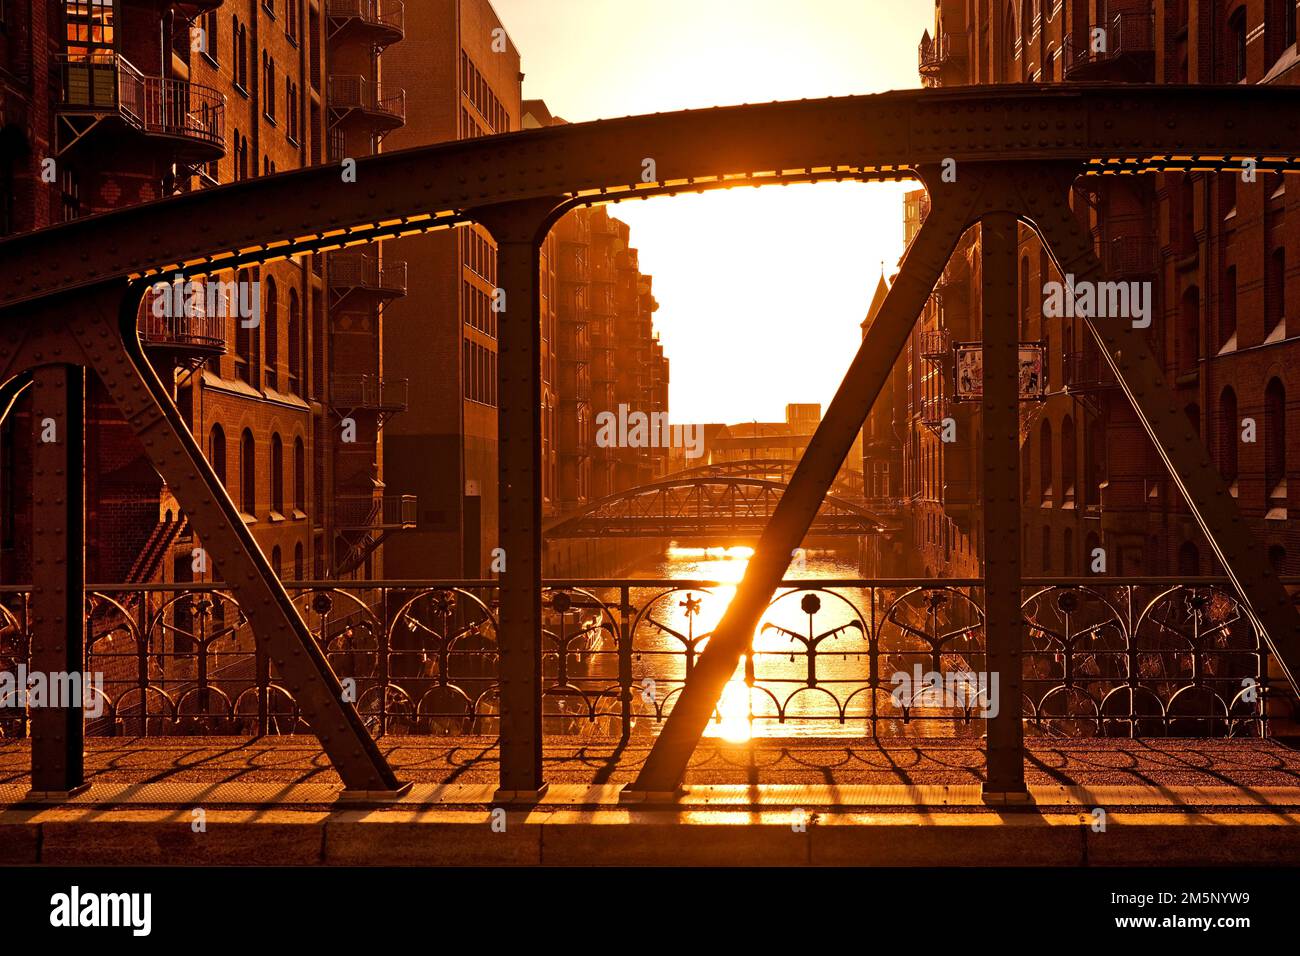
[952,210]
[104,324]
[1046,202]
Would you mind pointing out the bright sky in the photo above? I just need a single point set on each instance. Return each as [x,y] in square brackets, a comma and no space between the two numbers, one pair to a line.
[761,291]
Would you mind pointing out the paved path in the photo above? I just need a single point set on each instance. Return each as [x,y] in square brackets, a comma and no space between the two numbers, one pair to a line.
[1246,764]
[903,803]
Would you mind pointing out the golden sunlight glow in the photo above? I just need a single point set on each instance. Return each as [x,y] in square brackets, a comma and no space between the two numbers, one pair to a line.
[762,291]
[733,707]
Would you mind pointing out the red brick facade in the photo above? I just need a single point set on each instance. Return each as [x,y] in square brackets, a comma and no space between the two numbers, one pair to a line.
[1222,254]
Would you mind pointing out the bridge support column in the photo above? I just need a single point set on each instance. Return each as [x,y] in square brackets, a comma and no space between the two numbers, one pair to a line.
[58,577]
[519,230]
[1003,622]
[104,325]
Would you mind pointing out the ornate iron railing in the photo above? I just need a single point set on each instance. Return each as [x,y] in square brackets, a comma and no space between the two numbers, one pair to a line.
[1102,657]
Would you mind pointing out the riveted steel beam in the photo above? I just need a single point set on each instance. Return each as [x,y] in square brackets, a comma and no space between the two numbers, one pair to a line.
[863,137]
[1129,356]
[103,323]
[520,229]
[59,577]
[1003,619]
[11,391]
[954,207]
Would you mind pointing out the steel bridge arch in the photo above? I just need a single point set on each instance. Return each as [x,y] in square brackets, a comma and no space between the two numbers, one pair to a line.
[848,482]
[681,505]
[70,293]
[1104,128]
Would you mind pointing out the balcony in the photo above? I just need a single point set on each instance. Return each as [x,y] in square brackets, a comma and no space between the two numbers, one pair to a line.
[192,336]
[1125,50]
[375,513]
[357,272]
[933,54]
[356,100]
[1086,372]
[381,22]
[936,344]
[370,393]
[1131,257]
[99,87]
[934,410]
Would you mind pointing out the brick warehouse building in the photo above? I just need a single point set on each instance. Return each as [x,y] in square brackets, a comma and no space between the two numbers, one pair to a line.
[1222,255]
[293,413]
[462,74]
[134,101]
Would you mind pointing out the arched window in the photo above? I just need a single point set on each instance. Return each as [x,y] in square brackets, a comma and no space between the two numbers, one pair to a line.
[1026,472]
[1228,311]
[1236,45]
[1047,549]
[299,563]
[1187,215]
[1277,558]
[1095,450]
[276,561]
[299,476]
[1189,560]
[1275,447]
[1068,551]
[1045,462]
[1026,38]
[1278,17]
[1091,544]
[1012,55]
[247,473]
[277,474]
[247,310]
[1024,297]
[295,343]
[1069,470]
[271,324]
[1227,428]
[1275,294]
[1189,330]
[217,451]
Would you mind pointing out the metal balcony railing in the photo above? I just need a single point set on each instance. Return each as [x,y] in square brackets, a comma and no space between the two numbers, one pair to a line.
[1131,256]
[934,410]
[1086,372]
[933,53]
[353,92]
[370,392]
[191,330]
[1126,35]
[355,270]
[382,513]
[387,16]
[157,106]
[936,344]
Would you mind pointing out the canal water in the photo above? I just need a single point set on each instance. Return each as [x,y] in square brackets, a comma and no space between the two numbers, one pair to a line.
[810,666]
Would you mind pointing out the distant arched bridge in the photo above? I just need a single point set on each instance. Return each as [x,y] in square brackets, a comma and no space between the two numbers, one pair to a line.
[709,507]
[848,483]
